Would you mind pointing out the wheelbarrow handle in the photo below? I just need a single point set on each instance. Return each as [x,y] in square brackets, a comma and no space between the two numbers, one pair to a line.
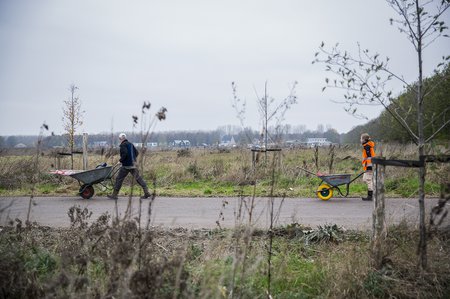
[305,170]
[116,167]
[354,179]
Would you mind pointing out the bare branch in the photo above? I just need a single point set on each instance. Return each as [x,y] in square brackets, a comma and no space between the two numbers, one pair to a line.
[238,105]
[433,20]
[443,113]
[437,131]
[403,12]
[429,89]
[403,123]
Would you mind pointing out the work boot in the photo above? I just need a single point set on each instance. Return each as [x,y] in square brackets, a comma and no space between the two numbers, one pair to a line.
[146,194]
[113,195]
[369,196]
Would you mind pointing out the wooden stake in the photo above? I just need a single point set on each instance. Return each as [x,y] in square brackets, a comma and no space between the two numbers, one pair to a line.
[379,231]
[85,151]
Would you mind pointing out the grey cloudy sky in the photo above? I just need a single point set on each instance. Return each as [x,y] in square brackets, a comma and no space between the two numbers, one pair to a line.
[183,55]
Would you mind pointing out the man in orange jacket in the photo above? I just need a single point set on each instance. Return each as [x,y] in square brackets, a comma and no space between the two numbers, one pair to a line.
[368,152]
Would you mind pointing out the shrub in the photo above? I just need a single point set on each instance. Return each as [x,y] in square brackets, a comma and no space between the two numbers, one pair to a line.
[184,152]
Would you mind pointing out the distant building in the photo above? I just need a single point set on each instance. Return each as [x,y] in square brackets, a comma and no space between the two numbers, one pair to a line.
[227,141]
[317,141]
[148,144]
[181,143]
[294,143]
[97,144]
[20,145]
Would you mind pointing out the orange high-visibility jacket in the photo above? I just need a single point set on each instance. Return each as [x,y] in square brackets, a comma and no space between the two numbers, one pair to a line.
[367,153]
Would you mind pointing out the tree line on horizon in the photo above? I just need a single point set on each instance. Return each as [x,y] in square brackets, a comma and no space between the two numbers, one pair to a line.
[196,138]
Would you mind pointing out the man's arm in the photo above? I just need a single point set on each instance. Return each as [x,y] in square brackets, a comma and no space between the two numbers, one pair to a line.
[123,153]
[136,152]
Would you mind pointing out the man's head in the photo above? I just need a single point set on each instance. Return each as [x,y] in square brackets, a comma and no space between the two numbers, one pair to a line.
[364,138]
[122,136]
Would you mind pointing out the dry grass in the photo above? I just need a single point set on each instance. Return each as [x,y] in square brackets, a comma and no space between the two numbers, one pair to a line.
[117,258]
[209,172]
[109,259]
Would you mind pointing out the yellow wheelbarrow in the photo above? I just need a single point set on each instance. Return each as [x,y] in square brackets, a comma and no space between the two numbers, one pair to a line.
[332,182]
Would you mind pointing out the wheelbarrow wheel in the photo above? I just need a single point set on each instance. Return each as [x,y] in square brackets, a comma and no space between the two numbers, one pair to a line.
[325,192]
[86,191]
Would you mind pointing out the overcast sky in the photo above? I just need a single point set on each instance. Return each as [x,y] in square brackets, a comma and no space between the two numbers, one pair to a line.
[183,55]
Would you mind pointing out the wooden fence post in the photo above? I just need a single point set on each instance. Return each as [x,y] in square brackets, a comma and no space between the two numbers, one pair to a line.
[379,231]
[85,151]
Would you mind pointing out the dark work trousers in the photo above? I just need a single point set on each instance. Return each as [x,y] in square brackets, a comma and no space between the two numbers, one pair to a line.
[123,172]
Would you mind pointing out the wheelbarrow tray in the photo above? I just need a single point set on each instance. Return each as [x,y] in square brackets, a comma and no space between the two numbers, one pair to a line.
[333,181]
[336,179]
[94,176]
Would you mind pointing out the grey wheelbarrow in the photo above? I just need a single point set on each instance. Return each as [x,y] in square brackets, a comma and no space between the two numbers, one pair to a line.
[102,174]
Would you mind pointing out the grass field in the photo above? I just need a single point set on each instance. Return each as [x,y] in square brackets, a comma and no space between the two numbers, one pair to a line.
[212,172]
[117,258]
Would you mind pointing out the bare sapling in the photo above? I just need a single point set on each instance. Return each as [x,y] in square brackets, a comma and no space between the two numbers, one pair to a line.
[72,119]
[331,155]
[36,170]
[147,127]
[242,241]
[271,111]
[273,218]
[316,157]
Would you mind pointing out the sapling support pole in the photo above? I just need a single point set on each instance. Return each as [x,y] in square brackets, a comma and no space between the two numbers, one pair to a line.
[85,151]
[255,155]
[379,226]
[379,231]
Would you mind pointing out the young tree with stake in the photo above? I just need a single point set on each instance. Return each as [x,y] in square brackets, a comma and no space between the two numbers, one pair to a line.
[365,78]
[72,118]
[271,111]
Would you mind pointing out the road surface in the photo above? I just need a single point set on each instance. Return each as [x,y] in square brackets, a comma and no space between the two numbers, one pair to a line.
[195,213]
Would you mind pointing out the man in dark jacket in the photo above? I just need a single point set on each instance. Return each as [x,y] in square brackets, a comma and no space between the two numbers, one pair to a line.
[128,155]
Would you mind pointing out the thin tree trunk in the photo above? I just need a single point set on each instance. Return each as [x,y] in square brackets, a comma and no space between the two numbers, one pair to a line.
[71,154]
[71,157]
[266,120]
[420,110]
[72,126]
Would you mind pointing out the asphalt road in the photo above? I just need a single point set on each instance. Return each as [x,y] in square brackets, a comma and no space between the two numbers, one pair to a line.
[194,213]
